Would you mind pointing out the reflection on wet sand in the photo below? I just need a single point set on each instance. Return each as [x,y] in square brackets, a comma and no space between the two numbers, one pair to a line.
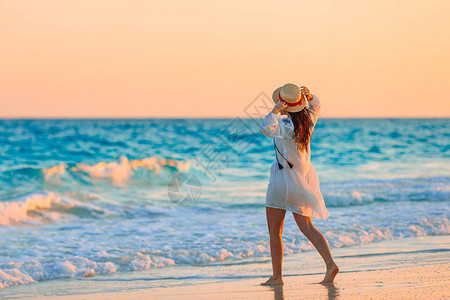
[330,288]
[333,290]
[278,292]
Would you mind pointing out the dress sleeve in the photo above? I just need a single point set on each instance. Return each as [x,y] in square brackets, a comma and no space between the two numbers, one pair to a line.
[314,108]
[271,127]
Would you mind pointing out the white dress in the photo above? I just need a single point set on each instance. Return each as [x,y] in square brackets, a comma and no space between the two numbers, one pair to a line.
[295,189]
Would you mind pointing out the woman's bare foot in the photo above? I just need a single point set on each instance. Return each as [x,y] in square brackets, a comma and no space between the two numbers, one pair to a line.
[272,281]
[331,273]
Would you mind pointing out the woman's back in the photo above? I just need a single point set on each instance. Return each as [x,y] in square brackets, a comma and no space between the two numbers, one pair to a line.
[300,158]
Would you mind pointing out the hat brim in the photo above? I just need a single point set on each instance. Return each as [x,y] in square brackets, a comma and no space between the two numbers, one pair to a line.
[287,108]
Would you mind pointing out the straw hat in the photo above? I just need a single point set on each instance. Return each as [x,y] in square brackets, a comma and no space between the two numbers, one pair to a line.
[290,94]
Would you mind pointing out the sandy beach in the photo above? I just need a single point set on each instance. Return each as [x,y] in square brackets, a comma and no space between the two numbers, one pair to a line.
[420,282]
[410,268]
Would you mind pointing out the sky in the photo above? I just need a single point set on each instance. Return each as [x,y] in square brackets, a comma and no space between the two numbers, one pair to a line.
[145,58]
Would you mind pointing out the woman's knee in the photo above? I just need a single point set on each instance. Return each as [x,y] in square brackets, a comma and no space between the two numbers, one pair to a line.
[275,231]
[306,230]
[305,224]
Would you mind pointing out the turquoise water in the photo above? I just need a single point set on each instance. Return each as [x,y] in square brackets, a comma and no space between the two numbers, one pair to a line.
[93,197]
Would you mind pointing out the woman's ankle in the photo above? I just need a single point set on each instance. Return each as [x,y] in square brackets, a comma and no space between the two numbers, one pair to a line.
[332,265]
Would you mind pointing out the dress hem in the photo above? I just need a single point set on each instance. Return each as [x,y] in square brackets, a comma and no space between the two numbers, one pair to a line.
[297,212]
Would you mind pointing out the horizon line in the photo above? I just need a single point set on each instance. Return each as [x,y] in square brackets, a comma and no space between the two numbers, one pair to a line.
[224,117]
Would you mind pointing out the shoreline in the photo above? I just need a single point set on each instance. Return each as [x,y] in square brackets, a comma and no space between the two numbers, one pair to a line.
[394,269]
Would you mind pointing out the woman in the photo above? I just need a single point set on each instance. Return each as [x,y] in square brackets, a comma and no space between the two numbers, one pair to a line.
[294,184]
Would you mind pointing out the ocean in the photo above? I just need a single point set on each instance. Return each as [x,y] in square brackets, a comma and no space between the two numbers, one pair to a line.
[89,198]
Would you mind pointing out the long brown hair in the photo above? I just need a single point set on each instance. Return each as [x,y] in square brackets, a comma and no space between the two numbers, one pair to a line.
[302,127]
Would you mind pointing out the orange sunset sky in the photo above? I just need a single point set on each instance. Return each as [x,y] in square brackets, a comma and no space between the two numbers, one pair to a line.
[144,58]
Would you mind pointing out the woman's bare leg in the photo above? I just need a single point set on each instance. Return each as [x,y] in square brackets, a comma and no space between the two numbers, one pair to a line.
[275,221]
[318,240]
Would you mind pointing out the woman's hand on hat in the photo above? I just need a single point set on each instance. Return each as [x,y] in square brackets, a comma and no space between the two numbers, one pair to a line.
[279,107]
[305,91]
